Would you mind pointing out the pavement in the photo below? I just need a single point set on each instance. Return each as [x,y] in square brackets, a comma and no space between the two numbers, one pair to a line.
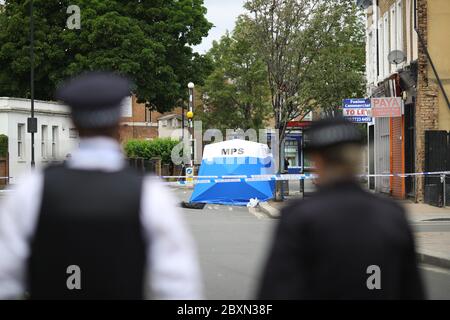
[431,227]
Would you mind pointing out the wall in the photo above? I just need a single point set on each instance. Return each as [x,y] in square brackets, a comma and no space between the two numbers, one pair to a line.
[137,132]
[427,108]
[143,124]
[439,49]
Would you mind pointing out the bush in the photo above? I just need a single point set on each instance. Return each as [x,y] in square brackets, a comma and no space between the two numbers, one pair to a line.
[3,145]
[147,149]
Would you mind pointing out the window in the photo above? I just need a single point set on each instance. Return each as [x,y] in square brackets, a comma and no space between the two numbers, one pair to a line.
[392,35]
[386,48]
[409,29]
[44,141]
[73,133]
[415,39]
[54,142]
[399,22]
[148,115]
[291,152]
[20,140]
[411,34]
[381,49]
[371,68]
[396,30]
[393,27]
[164,123]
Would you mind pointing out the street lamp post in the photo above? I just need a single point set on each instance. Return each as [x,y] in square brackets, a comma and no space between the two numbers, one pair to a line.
[182,121]
[32,122]
[190,115]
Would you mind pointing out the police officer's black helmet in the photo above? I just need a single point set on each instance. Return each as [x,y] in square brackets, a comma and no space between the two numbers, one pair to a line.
[95,98]
[331,132]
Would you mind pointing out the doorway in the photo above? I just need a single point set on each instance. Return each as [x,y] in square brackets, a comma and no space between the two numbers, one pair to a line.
[410,152]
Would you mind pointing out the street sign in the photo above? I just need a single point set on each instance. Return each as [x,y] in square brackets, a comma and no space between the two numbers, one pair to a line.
[189,176]
[387,107]
[357,110]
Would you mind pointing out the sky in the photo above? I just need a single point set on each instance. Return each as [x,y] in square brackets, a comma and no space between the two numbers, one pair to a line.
[223,14]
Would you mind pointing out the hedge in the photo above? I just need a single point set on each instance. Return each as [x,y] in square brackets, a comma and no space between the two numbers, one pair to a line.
[147,149]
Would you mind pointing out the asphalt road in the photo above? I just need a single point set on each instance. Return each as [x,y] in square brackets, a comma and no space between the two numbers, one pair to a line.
[232,245]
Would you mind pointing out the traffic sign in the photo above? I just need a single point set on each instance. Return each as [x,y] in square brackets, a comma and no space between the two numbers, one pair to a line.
[189,176]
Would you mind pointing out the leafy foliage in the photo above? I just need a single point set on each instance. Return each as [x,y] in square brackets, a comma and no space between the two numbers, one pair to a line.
[337,71]
[147,149]
[313,51]
[149,41]
[236,93]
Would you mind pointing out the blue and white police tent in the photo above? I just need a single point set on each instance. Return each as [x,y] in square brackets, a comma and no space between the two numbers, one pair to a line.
[231,161]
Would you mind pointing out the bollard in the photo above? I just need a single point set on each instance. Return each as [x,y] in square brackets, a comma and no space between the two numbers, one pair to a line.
[302,187]
[444,191]
[140,164]
[158,165]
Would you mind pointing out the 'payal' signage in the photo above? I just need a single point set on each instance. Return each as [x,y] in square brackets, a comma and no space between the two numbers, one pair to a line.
[387,107]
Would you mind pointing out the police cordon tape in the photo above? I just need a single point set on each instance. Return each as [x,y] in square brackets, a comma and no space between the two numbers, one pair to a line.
[284,177]
[289,177]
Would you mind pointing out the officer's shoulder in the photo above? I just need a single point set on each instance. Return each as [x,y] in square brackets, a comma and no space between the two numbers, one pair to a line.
[311,207]
[388,206]
[384,199]
[301,209]
[313,202]
[53,167]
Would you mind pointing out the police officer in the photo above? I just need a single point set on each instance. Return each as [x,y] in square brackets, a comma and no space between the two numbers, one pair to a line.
[92,228]
[343,242]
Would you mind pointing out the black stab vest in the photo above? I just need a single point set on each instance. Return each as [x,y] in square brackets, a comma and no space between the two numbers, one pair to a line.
[91,220]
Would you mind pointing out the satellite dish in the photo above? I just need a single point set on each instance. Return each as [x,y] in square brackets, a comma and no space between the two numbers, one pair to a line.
[396,57]
[363,4]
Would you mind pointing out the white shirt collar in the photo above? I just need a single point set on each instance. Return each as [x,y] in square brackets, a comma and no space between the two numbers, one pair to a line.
[98,153]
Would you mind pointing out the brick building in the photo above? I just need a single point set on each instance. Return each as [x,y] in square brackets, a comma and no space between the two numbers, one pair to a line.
[139,122]
[399,145]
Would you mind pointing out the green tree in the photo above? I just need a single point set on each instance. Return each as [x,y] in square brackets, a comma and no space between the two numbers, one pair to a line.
[337,72]
[149,41]
[313,51]
[314,55]
[236,93]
